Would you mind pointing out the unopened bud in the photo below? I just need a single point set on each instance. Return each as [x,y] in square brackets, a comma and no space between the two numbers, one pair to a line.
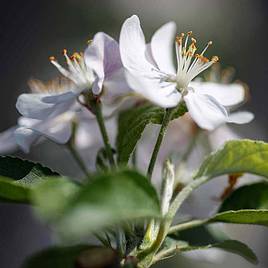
[168,177]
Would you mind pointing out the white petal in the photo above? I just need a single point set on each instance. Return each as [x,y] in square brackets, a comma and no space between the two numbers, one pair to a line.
[242,117]
[25,138]
[162,47]
[97,86]
[149,55]
[27,122]
[42,106]
[150,89]
[7,141]
[60,97]
[206,111]
[116,86]
[31,105]
[133,47]
[227,95]
[103,56]
[57,129]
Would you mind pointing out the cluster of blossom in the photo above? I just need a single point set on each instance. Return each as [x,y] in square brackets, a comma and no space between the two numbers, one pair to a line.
[117,75]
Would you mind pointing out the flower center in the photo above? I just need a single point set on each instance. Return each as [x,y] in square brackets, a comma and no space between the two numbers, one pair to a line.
[76,70]
[57,85]
[190,64]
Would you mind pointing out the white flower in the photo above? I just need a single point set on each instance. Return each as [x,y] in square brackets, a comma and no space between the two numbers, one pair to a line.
[100,62]
[29,132]
[56,126]
[98,68]
[7,141]
[52,122]
[150,72]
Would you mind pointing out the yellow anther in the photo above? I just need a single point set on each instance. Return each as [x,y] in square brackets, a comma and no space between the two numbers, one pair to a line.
[204,59]
[179,40]
[190,53]
[76,56]
[89,41]
[64,51]
[52,58]
[210,43]
[215,59]
[190,33]
[193,40]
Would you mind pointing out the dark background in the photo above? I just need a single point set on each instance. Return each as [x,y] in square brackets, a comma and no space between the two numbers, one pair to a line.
[33,30]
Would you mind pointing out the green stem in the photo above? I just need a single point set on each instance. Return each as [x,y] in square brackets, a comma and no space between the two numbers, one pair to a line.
[145,257]
[78,159]
[100,120]
[159,140]
[187,225]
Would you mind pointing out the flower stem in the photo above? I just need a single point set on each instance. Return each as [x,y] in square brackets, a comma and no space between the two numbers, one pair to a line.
[100,120]
[187,225]
[78,159]
[146,257]
[159,140]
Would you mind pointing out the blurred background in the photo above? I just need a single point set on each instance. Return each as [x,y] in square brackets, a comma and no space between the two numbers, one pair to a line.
[31,31]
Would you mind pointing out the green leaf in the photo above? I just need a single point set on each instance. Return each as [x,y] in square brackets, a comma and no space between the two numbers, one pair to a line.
[17,178]
[169,249]
[172,247]
[241,156]
[73,256]
[198,236]
[232,246]
[245,216]
[10,191]
[132,123]
[52,196]
[109,199]
[253,196]
[235,157]
[23,170]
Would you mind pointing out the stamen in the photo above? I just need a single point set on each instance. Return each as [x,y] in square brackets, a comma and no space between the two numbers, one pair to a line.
[64,52]
[215,59]
[179,39]
[187,37]
[76,56]
[188,68]
[206,47]
[193,40]
[52,58]
[202,58]
[56,85]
